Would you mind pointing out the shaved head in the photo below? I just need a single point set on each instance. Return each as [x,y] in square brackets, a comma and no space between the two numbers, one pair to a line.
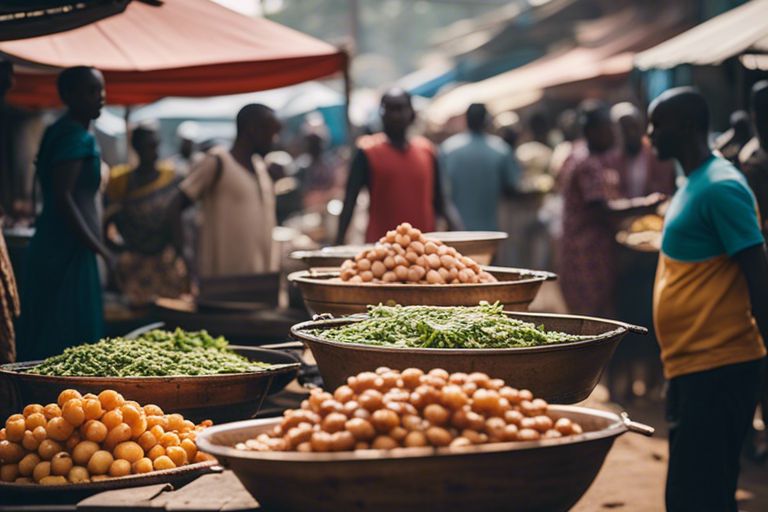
[257,127]
[81,88]
[687,105]
[679,118]
[254,112]
[396,94]
[397,113]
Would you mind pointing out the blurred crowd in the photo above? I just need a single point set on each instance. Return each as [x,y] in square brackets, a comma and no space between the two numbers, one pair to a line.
[565,192]
[562,185]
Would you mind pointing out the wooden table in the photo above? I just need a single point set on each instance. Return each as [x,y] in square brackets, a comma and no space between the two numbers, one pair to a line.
[213,492]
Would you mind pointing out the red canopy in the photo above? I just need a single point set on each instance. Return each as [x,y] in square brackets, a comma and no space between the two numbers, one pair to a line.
[183,48]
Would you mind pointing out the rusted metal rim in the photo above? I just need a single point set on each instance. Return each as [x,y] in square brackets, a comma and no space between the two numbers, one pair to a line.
[616,427]
[20,368]
[621,328]
[321,278]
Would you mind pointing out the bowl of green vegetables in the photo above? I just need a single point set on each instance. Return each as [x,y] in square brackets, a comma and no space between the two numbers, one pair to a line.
[560,358]
[194,373]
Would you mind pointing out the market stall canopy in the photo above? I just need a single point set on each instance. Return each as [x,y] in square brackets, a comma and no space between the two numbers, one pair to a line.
[428,80]
[742,30]
[508,37]
[190,48]
[31,18]
[607,50]
[513,21]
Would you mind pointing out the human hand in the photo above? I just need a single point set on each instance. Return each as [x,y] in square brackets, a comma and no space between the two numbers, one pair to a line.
[655,198]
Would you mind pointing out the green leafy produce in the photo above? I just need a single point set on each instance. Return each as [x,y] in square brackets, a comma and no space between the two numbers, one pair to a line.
[154,354]
[483,326]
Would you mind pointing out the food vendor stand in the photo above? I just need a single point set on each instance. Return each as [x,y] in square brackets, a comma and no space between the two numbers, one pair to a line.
[189,66]
[556,357]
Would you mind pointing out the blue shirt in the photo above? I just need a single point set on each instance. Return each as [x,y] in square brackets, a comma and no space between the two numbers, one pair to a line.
[714,213]
[478,168]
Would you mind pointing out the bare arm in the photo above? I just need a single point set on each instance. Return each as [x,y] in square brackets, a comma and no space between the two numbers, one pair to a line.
[754,265]
[443,205]
[65,179]
[358,178]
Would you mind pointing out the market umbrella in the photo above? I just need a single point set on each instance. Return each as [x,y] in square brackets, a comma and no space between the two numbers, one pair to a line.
[191,48]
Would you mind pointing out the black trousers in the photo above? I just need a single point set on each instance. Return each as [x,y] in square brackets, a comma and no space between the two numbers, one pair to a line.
[709,414]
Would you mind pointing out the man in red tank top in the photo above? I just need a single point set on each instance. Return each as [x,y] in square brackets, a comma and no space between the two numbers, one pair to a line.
[400,173]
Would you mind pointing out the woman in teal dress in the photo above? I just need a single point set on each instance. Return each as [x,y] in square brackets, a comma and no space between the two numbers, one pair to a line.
[62,299]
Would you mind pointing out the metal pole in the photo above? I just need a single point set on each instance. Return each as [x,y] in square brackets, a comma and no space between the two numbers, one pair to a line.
[126,119]
[351,50]
[347,98]
[354,26]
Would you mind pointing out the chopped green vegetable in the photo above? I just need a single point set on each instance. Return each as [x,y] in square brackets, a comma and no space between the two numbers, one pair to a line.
[154,354]
[483,326]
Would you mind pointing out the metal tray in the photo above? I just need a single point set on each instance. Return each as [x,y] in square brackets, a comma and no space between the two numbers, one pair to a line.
[12,493]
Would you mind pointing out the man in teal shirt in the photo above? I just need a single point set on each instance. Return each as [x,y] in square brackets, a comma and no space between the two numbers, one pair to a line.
[479,168]
[710,308]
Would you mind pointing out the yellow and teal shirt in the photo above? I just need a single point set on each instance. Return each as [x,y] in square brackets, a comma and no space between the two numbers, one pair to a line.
[701,306]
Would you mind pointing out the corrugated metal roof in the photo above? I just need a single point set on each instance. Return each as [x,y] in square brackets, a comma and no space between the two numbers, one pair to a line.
[737,31]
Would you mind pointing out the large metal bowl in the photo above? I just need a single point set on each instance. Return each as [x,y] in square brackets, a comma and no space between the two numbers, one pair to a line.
[558,373]
[323,292]
[481,246]
[220,398]
[332,256]
[548,475]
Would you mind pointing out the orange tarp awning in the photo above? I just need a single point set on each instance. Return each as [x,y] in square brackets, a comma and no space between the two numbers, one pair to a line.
[183,48]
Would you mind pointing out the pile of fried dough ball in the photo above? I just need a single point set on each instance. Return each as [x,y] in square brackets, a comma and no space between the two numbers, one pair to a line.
[388,409]
[405,255]
[87,438]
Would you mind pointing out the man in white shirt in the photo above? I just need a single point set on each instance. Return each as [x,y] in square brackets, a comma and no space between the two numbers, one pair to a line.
[237,199]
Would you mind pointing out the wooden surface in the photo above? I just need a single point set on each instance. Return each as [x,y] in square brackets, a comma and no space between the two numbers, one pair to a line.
[214,492]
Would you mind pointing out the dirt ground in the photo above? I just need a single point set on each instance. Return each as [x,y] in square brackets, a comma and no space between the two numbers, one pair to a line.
[632,477]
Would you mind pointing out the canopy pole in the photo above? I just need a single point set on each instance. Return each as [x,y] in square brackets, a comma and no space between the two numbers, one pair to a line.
[127,120]
[347,97]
